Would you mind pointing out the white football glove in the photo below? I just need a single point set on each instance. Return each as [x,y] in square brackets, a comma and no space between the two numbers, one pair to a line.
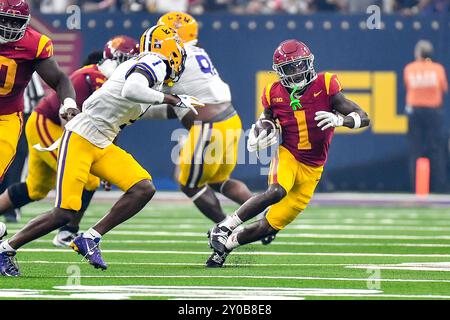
[68,109]
[189,102]
[328,120]
[263,141]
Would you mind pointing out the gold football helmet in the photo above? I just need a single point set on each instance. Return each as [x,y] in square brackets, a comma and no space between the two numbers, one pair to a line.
[166,42]
[185,25]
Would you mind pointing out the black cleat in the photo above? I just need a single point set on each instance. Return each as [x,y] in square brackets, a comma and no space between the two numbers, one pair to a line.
[218,237]
[216,260]
[268,239]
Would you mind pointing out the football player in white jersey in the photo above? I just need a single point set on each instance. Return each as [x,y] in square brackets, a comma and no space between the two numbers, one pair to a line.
[209,154]
[87,146]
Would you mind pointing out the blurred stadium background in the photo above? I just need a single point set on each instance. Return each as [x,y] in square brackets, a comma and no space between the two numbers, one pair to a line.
[240,36]
[336,249]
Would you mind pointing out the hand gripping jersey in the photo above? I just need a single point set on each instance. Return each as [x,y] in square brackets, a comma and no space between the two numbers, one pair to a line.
[106,112]
[17,67]
[200,79]
[300,133]
[85,81]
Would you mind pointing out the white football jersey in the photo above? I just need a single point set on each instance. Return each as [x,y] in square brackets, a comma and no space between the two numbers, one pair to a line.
[106,112]
[200,79]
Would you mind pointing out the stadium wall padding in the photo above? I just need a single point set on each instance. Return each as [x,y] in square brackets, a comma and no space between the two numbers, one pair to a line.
[241,46]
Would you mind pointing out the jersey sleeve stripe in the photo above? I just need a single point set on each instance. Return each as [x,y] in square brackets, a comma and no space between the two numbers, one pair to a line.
[268,87]
[144,68]
[328,77]
[43,41]
[148,68]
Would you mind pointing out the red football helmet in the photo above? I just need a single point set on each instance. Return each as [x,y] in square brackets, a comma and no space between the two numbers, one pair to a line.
[294,63]
[121,48]
[14,19]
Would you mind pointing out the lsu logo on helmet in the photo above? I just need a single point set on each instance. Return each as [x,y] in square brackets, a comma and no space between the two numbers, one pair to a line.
[185,25]
[166,42]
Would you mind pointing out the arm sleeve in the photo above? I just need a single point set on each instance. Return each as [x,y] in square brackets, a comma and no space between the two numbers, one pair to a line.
[152,67]
[137,89]
[334,85]
[265,98]
[45,48]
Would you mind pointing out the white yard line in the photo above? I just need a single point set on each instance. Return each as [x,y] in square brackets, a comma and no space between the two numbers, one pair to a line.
[285,234]
[194,264]
[153,276]
[282,243]
[257,253]
[199,292]
[333,227]
[338,221]
[282,235]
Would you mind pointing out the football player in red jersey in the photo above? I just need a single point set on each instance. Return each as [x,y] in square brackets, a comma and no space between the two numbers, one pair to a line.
[308,106]
[44,127]
[22,52]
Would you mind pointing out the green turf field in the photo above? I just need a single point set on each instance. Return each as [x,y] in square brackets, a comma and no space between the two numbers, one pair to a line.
[328,253]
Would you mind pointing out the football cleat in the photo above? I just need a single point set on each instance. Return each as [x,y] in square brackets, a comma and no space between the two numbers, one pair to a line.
[90,250]
[268,239]
[8,264]
[218,237]
[3,231]
[63,238]
[216,260]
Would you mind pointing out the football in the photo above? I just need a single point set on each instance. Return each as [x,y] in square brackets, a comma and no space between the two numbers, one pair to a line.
[2,230]
[264,124]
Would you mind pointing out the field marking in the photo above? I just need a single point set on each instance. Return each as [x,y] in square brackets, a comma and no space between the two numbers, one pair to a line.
[222,292]
[154,276]
[254,253]
[421,266]
[280,235]
[345,221]
[410,266]
[282,243]
[299,227]
[197,292]
[194,264]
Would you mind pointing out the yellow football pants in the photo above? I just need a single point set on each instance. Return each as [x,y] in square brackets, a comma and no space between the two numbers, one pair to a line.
[209,154]
[298,179]
[78,157]
[42,166]
[10,131]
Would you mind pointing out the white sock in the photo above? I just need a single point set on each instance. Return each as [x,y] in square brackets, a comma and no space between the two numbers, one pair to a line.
[232,241]
[5,247]
[92,234]
[231,222]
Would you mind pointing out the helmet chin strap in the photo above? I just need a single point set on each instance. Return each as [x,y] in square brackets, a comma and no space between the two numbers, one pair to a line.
[107,67]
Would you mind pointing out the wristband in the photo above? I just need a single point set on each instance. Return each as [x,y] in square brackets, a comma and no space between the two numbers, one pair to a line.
[356,118]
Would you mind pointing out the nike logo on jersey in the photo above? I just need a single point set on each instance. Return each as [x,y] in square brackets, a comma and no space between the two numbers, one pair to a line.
[20,48]
[317,94]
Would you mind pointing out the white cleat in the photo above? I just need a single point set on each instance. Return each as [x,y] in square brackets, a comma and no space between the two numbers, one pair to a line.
[3,230]
[64,238]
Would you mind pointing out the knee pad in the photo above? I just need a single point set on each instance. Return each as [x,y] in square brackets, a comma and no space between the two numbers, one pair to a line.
[18,193]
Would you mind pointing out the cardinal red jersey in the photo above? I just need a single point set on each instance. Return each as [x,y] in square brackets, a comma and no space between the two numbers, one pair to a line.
[300,133]
[17,66]
[85,81]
